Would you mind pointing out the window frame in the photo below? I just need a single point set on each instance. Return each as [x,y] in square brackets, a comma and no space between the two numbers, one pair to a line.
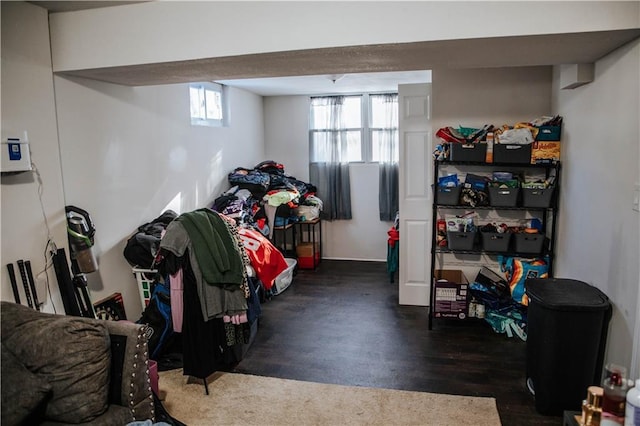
[345,129]
[221,91]
[371,129]
[366,131]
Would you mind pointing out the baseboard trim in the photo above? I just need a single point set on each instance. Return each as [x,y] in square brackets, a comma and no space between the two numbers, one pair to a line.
[354,259]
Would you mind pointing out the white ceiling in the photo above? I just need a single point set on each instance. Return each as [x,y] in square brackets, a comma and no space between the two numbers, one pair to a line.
[330,83]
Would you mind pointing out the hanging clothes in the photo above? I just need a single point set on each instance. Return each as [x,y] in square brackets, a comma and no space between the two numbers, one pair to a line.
[220,287]
[202,341]
[205,247]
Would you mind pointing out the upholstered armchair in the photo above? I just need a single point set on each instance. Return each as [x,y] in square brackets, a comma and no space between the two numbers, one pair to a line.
[60,369]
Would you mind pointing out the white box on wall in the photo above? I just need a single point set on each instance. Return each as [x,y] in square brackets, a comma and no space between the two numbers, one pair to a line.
[15,156]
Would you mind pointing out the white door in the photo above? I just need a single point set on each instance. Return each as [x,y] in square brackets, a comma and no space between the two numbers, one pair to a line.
[414,107]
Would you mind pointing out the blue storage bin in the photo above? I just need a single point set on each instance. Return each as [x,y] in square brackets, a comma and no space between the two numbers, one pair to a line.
[549,133]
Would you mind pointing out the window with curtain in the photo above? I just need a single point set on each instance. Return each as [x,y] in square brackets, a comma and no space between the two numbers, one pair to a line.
[385,149]
[354,128]
[335,138]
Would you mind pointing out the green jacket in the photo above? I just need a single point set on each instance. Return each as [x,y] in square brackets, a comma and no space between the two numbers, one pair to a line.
[214,247]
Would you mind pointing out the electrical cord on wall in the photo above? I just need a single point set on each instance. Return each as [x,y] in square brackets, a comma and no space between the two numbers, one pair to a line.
[50,248]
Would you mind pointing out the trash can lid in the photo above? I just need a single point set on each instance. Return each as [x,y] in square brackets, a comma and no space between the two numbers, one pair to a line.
[566,294]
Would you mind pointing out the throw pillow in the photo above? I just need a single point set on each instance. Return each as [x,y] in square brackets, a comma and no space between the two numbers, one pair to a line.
[24,394]
[71,353]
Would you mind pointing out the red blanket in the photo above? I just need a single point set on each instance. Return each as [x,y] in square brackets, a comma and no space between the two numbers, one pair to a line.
[266,259]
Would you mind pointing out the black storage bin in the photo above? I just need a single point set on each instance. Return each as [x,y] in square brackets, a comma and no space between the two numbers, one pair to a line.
[496,241]
[567,333]
[474,152]
[540,198]
[460,240]
[529,243]
[448,196]
[512,153]
[503,197]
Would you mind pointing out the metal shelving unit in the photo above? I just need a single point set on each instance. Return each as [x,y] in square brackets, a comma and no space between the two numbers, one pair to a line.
[549,215]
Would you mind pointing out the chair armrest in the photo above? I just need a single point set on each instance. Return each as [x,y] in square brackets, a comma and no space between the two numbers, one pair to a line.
[130,384]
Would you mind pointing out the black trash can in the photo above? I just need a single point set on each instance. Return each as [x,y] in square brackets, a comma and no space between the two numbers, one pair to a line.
[566,337]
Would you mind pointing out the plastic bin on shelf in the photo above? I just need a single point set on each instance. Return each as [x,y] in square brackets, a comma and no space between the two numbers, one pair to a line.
[496,241]
[449,196]
[512,153]
[503,197]
[473,152]
[460,240]
[529,243]
[540,198]
[549,133]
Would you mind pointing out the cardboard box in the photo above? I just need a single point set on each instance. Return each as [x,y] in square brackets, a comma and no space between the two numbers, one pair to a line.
[545,152]
[451,294]
[307,249]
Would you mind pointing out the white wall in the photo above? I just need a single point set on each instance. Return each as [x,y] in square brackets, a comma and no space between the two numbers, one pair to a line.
[147,32]
[287,141]
[599,231]
[364,237]
[475,97]
[128,153]
[28,105]
[286,132]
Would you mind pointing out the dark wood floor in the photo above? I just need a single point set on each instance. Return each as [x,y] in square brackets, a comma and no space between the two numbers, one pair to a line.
[342,324]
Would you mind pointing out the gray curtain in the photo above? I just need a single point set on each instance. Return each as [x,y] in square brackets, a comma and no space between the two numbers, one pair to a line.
[387,138]
[329,168]
[334,189]
[388,196]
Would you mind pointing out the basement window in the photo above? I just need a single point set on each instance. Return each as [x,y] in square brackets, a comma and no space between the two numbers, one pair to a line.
[207,104]
[354,128]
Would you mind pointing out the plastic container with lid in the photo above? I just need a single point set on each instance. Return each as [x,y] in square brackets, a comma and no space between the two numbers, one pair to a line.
[615,385]
[632,410]
[567,327]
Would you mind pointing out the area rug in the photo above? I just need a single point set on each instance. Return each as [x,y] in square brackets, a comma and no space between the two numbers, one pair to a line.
[240,399]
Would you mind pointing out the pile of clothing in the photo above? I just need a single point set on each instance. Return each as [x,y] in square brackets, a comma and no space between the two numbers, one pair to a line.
[265,196]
